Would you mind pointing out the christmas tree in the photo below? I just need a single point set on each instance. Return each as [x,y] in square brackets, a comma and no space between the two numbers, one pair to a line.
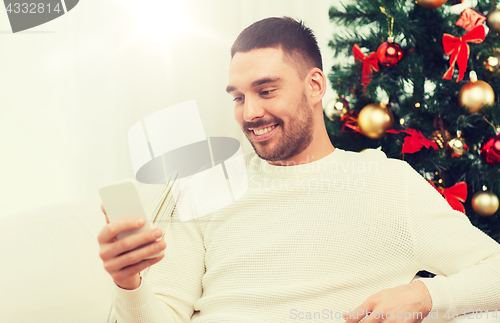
[408,90]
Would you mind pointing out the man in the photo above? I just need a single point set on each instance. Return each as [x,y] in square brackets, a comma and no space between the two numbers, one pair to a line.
[321,234]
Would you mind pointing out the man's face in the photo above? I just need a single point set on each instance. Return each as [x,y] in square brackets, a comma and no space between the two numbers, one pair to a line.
[268,92]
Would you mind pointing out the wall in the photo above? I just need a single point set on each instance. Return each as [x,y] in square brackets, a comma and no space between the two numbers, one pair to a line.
[70,89]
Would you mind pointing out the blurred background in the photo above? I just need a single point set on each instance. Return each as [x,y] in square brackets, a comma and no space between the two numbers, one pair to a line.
[70,89]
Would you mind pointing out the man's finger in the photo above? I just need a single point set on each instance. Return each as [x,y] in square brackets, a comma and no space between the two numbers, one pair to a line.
[113,229]
[357,314]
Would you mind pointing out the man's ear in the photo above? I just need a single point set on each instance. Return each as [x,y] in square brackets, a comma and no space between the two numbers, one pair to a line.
[316,85]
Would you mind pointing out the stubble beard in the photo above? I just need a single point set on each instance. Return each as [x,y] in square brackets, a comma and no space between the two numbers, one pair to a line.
[295,139]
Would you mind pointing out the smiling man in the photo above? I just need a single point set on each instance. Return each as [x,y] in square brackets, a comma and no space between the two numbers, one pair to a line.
[277,82]
[321,233]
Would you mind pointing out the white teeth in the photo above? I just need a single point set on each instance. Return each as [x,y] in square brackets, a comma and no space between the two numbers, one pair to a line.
[263,131]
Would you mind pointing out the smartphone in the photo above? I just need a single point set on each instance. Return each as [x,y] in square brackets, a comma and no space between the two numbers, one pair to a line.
[121,201]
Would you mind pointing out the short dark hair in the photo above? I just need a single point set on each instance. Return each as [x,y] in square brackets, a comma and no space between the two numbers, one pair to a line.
[286,33]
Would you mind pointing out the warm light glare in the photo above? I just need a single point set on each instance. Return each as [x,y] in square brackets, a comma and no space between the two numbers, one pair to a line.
[159,20]
[493,61]
[402,121]
[339,106]
[417,105]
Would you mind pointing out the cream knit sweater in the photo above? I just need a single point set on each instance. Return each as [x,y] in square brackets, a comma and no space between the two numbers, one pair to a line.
[309,242]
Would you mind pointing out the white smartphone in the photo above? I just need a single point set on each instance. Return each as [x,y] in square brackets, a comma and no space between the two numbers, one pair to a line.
[121,201]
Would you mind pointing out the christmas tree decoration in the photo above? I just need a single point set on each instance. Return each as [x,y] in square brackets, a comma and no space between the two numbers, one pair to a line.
[457,146]
[431,4]
[493,19]
[441,138]
[491,62]
[350,120]
[336,107]
[370,63]
[490,150]
[455,195]
[374,119]
[485,203]
[427,107]
[475,94]
[389,53]
[470,19]
[458,50]
[415,141]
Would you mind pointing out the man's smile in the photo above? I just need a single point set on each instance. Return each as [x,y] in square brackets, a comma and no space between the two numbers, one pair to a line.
[264,133]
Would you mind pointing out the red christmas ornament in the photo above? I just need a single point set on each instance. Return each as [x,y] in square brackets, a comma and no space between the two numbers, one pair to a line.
[490,150]
[389,53]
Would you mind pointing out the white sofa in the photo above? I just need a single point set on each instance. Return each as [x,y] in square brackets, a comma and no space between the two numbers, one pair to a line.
[50,267]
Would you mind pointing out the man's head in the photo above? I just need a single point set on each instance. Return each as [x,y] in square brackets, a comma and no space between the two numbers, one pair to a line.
[296,40]
[276,80]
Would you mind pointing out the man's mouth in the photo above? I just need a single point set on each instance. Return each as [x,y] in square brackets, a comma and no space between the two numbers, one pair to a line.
[260,132]
[265,133]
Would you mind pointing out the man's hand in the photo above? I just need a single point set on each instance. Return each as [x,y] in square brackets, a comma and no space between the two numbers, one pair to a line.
[119,261]
[409,303]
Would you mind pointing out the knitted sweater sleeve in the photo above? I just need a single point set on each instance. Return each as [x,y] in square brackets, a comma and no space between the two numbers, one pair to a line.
[171,287]
[466,261]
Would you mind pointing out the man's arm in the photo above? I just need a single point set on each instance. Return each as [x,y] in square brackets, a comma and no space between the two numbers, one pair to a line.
[465,259]
[168,292]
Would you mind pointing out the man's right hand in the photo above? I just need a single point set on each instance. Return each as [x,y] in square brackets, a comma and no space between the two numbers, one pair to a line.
[124,267]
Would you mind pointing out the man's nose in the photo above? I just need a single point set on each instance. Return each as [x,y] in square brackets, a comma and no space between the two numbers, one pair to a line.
[252,109]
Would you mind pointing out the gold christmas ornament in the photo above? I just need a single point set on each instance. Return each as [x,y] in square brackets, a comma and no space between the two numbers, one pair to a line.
[431,4]
[441,139]
[457,147]
[485,203]
[375,119]
[475,94]
[493,19]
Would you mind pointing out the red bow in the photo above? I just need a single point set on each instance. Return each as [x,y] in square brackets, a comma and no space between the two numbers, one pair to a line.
[369,63]
[415,142]
[351,121]
[454,195]
[458,50]
[470,19]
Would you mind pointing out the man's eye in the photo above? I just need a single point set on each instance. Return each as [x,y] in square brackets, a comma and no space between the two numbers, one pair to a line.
[266,92]
[238,98]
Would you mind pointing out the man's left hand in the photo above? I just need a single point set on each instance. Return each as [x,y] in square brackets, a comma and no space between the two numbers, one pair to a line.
[409,303]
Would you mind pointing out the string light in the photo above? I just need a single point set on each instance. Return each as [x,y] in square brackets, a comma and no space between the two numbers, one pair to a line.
[493,61]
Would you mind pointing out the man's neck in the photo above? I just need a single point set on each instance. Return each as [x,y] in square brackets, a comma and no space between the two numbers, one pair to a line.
[309,155]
